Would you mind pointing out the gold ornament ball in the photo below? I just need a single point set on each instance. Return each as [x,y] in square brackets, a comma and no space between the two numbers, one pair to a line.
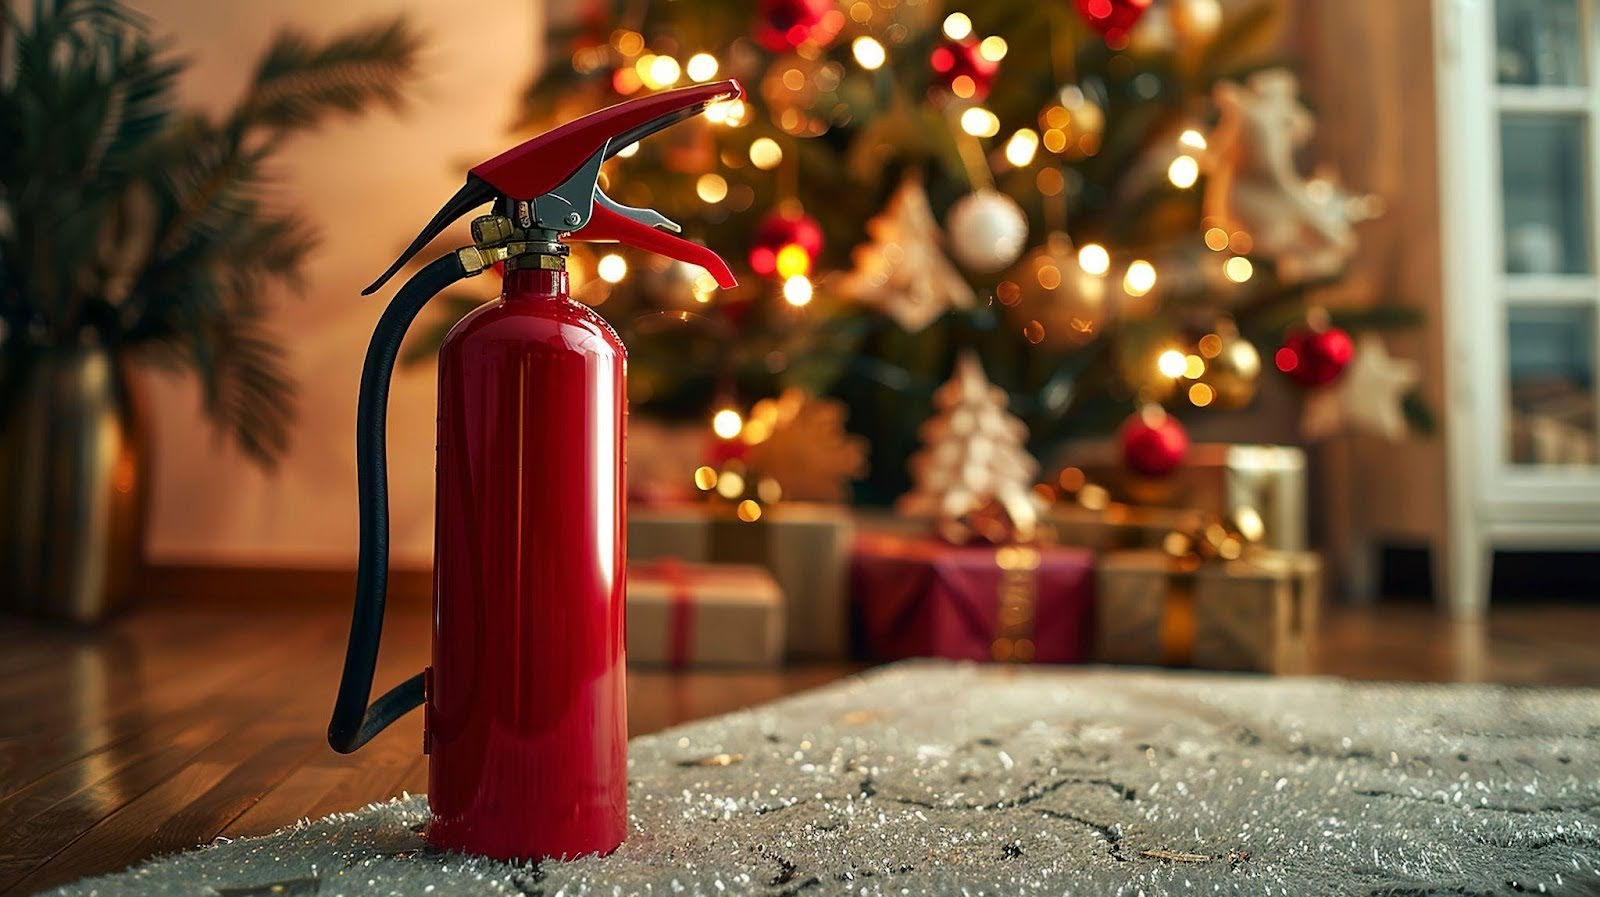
[1234,369]
[802,94]
[1072,126]
[1196,21]
[1050,293]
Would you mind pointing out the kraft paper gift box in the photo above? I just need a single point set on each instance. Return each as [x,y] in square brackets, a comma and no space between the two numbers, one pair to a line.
[806,548]
[1259,613]
[916,596]
[703,615]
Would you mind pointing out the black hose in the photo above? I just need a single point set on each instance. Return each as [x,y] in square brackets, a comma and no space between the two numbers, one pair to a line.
[354,723]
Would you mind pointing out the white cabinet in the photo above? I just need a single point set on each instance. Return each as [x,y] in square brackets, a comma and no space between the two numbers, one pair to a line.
[1519,116]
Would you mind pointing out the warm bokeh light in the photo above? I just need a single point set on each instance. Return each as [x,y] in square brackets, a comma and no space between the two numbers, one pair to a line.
[711,188]
[765,153]
[727,423]
[1216,239]
[705,478]
[791,260]
[1140,279]
[980,122]
[658,71]
[629,151]
[1194,367]
[797,291]
[1238,269]
[964,87]
[1094,259]
[749,511]
[1210,346]
[1183,172]
[703,287]
[702,67]
[730,484]
[993,48]
[1192,139]
[869,53]
[957,26]
[1201,394]
[611,267]
[731,113]
[1022,146]
[1171,363]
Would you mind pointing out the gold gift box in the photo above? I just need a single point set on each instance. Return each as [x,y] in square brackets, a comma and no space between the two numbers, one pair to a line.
[704,615]
[1258,613]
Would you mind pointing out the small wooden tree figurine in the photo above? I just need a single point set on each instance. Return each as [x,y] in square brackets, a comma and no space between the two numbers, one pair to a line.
[973,476]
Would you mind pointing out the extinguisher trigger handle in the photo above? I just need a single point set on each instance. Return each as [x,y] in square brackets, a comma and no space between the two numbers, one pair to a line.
[646,217]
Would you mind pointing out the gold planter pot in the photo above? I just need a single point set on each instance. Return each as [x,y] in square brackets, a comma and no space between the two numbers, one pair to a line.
[72,479]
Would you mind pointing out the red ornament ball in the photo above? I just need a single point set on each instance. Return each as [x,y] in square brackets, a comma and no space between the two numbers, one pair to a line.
[1153,442]
[960,67]
[783,25]
[1113,18]
[1315,357]
[770,251]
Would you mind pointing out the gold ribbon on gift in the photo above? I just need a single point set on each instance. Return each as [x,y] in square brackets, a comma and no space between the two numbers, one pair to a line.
[1212,541]
[1017,599]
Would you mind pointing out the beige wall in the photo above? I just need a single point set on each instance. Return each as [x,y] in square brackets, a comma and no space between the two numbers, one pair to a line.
[370,184]
[1367,69]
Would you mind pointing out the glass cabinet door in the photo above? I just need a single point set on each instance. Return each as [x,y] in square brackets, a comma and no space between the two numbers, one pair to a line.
[1550,295]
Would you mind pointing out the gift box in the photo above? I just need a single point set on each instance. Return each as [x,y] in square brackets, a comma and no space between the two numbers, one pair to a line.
[916,596]
[805,547]
[703,615]
[1115,526]
[1215,479]
[1257,613]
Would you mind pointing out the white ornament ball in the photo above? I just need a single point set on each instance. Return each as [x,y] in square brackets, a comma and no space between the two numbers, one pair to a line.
[986,230]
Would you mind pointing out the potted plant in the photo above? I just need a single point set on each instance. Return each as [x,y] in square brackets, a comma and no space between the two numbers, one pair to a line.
[133,231]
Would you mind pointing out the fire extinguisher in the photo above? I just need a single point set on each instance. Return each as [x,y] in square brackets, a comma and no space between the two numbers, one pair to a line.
[525,718]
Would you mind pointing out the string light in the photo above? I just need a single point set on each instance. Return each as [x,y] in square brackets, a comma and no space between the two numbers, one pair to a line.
[1216,239]
[629,151]
[797,291]
[726,424]
[703,287]
[980,122]
[705,478]
[702,67]
[1192,139]
[1022,146]
[791,260]
[1201,394]
[730,484]
[1183,172]
[731,113]
[765,153]
[869,54]
[1140,279]
[993,48]
[658,71]
[1094,259]
[749,511]
[627,42]
[611,267]
[1238,269]
[1194,367]
[957,26]
[1171,363]
[711,188]
[964,87]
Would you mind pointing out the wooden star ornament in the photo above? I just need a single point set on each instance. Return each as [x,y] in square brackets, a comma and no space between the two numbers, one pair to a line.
[1368,397]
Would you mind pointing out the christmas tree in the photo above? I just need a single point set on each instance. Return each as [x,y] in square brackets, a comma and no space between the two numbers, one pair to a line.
[973,477]
[1100,199]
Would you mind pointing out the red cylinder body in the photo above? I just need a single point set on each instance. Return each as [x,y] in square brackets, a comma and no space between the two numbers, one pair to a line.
[526,714]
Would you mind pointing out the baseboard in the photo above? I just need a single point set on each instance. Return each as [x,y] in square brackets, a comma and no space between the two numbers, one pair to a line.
[255,584]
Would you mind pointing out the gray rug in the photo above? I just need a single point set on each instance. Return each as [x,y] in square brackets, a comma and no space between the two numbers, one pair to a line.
[929,778]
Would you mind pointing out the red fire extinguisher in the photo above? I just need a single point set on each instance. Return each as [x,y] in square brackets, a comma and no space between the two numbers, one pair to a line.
[525,721]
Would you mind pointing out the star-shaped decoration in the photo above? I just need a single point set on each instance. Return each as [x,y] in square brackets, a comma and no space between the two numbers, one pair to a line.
[1368,397]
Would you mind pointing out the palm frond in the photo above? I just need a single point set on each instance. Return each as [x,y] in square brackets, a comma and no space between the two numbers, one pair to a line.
[299,82]
[250,394]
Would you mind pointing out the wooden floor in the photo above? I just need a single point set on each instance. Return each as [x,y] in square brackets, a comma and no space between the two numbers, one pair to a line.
[186,721]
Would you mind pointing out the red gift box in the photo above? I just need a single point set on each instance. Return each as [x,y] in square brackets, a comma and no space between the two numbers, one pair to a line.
[919,597]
